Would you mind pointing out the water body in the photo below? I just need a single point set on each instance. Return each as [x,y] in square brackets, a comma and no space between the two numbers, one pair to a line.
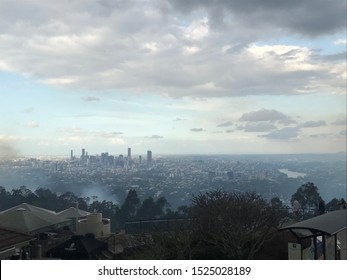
[292,174]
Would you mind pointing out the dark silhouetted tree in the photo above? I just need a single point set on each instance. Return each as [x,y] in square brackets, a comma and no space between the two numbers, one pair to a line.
[232,225]
[307,195]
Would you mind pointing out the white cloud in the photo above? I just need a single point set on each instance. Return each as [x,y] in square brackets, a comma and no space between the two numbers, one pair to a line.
[197,30]
[32,124]
[341,41]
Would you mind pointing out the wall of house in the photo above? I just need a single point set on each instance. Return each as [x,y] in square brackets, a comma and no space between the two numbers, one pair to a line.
[95,224]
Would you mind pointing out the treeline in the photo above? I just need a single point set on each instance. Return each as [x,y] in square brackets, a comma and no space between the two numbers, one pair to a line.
[223,225]
[131,209]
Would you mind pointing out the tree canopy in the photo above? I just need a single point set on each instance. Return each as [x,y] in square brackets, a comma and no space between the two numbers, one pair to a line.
[234,224]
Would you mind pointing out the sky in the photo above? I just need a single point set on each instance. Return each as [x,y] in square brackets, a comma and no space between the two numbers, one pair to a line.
[174,77]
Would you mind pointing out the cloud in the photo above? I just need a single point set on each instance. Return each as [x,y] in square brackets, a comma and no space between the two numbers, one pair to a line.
[8,148]
[225,124]
[32,124]
[179,119]
[320,136]
[74,131]
[196,129]
[264,115]
[313,124]
[104,134]
[286,133]
[257,127]
[155,137]
[341,41]
[340,122]
[343,133]
[310,18]
[200,48]
[28,110]
[90,98]
[229,131]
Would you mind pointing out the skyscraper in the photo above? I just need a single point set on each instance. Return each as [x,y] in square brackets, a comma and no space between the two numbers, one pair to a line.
[129,152]
[71,155]
[149,157]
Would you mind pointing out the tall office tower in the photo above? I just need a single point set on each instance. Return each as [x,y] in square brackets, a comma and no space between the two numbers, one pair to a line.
[129,152]
[149,156]
[71,155]
[83,153]
[140,159]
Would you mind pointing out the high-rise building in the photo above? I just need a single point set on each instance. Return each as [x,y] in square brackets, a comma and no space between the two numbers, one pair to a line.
[129,152]
[83,153]
[149,157]
[71,155]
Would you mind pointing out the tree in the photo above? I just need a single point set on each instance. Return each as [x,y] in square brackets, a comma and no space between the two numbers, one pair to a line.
[128,209]
[151,209]
[279,209]
[334,204]
[307,195]
[232,225]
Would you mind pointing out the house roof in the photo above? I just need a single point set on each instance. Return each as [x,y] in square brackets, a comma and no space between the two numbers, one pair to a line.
[327,224]
[29,218]
[10,238]
[73,212]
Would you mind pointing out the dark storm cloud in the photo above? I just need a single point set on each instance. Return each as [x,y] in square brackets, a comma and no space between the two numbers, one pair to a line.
[225,124]
[310,17]
[286,133]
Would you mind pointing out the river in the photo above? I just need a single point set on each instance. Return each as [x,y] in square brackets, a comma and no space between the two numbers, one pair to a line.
[292,174]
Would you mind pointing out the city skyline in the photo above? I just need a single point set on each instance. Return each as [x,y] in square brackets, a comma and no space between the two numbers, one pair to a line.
[174,77]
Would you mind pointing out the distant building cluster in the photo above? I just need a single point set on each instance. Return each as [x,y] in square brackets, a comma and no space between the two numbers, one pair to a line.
[107,160]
